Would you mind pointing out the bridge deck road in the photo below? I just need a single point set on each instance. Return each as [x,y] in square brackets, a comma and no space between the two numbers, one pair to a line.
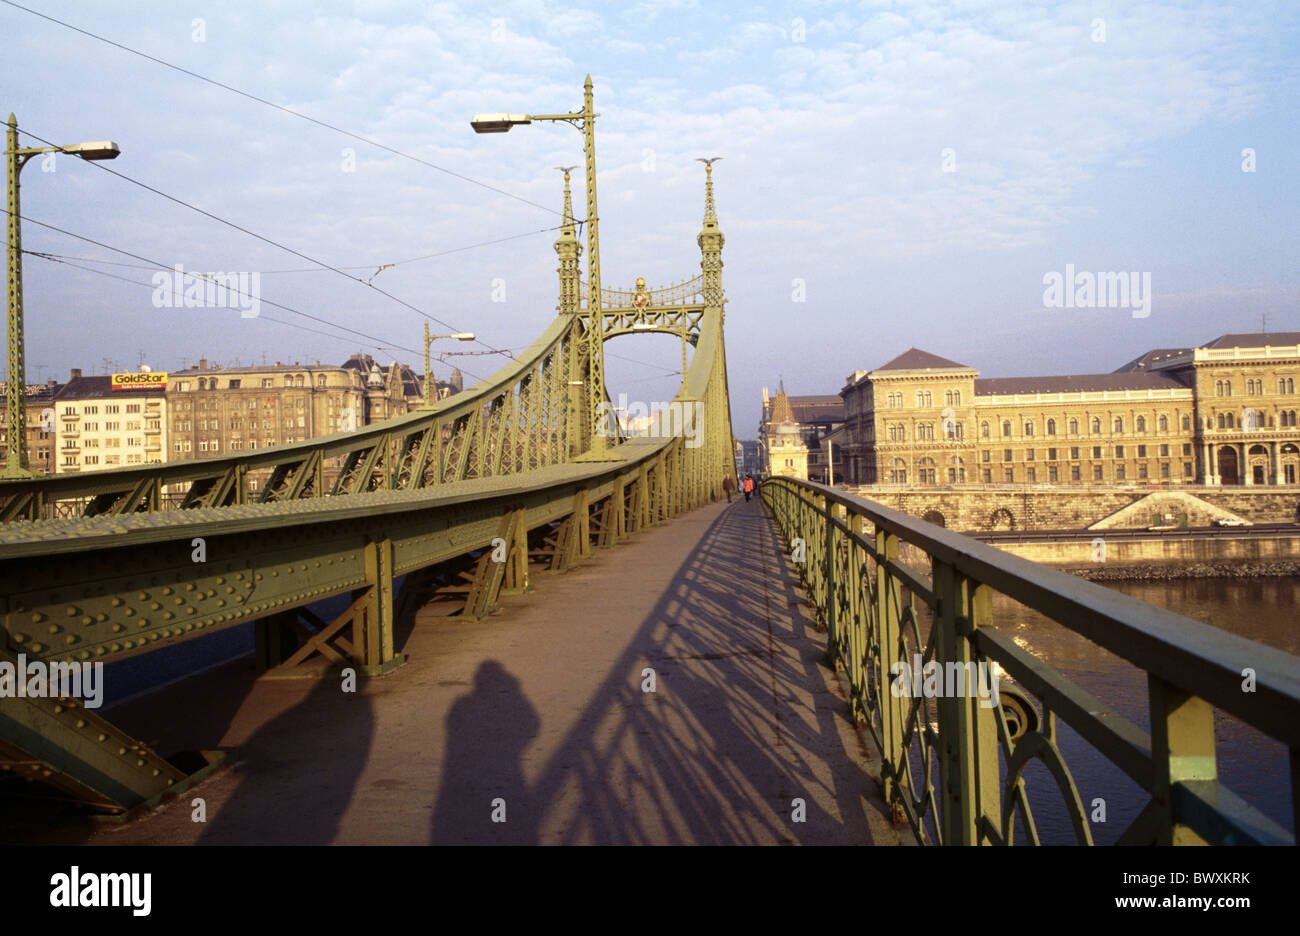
[537,715]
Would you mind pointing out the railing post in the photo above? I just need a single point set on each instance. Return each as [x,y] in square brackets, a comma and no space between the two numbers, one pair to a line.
[1182,748]
[957,715]
[976,600]
[888,601]
[829,578]
[858,611]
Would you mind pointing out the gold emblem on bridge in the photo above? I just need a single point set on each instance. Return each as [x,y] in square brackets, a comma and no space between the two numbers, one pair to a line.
[642,297]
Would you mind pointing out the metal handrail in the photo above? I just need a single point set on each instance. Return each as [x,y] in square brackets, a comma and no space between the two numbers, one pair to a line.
[867,598]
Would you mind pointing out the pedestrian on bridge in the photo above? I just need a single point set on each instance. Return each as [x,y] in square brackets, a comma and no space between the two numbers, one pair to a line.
[748,486]
[729,486]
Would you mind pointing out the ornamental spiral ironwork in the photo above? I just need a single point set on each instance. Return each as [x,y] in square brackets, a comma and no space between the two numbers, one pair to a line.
[889,588]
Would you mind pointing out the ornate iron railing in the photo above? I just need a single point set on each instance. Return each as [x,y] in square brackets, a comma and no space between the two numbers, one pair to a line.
[954,764]
[688,292]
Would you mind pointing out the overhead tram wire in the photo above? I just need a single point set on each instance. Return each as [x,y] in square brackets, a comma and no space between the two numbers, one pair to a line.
[55,259]
[266,240]
[382,342]
[281,107]
[320,123]
[366,266]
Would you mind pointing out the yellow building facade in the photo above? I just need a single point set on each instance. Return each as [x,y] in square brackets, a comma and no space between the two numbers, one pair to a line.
[1221,413]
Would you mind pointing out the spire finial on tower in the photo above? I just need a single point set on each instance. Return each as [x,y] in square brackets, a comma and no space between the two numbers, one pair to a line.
[569,250]
[709,213]
[567,224]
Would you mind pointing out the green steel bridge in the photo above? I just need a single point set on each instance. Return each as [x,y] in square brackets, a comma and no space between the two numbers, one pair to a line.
[468,498]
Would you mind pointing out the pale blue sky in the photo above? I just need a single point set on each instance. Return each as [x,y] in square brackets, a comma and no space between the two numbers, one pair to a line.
[831,119]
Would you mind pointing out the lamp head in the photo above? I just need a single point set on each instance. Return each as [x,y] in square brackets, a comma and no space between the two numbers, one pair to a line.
[100,149]
[497,123]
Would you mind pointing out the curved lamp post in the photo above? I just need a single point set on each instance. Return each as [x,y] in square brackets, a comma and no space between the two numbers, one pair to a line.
[16,385]
[428,378]
[584,120]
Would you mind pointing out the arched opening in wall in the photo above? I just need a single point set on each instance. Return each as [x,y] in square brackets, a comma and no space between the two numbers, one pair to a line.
[933,516]
[1002,520]
[1228,465]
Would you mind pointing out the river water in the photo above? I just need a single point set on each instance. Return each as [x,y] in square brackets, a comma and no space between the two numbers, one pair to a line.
[1250,763]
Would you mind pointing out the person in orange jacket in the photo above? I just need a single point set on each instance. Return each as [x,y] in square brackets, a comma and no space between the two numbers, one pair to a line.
[748,486]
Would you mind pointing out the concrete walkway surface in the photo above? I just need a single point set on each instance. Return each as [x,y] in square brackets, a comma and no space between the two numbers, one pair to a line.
[538,716]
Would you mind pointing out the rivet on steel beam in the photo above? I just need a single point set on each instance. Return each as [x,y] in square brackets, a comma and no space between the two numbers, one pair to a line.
[37,647]
[178,600]
[70,611]
[167,590]
[189,610]
[189,586]
[167,615]
[129,611]
[117,628]
[117,602]
[58,709]
[121,750]
[86,619]
[54,628]
[19,638]
[115,647]
[81,723]
[154,606]
[70,639]
[101,617]
[37,617]
[102,737]
[142,595]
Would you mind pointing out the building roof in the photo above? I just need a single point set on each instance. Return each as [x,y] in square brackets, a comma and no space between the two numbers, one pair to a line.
[1255,340]
[781,409]
[91,388]
[916,359]
[213,370]
[815,409]
[1076,383]
[1151,360]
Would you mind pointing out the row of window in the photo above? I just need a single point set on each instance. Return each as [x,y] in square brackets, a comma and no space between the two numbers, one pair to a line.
[1254,386]
[110,409]
[236,383]
[927,475]
[1162,451]
[131,442]
[924,399]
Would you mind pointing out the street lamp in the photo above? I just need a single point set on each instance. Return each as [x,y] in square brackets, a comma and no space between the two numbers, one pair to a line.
[428,375]
[16,385]
[584,120]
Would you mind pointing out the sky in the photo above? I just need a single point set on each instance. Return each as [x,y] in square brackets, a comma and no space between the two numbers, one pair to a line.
[893,174]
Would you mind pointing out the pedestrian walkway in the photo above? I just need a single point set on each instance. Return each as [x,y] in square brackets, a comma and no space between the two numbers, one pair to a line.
[534,725]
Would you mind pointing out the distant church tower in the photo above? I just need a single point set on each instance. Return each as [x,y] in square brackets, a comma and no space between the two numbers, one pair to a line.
[787,453]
